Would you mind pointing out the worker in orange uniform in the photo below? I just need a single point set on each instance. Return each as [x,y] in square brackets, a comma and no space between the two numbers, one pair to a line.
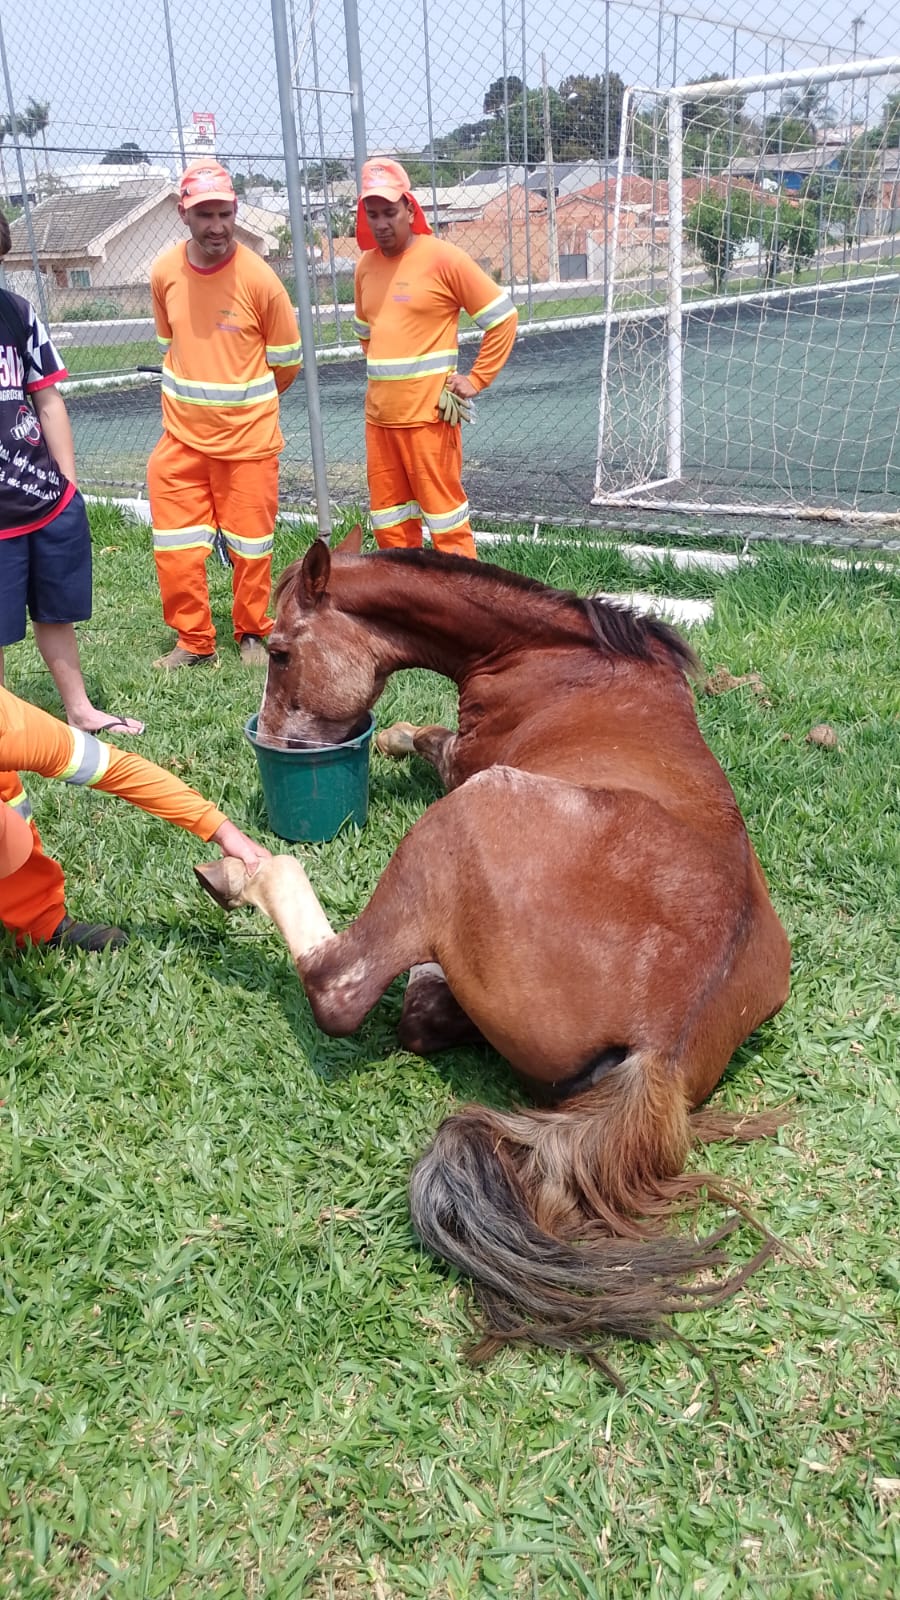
[32,886]
[410,290]
[231,347]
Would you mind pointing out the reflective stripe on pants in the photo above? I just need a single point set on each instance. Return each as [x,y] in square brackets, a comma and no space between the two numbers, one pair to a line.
[191,495]
[418,467]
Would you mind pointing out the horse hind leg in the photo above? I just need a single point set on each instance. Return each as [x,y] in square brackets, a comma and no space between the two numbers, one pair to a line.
[434,744]
[432,1019]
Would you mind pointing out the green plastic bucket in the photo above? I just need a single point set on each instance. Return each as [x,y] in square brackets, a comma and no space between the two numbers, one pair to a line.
[310,794]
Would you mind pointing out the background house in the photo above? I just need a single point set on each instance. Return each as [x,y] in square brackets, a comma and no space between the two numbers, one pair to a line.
[100,246]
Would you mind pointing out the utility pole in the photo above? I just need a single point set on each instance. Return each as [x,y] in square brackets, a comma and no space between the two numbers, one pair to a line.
[552,235]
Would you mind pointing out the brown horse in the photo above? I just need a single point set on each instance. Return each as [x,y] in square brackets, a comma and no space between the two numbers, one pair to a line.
[585,898]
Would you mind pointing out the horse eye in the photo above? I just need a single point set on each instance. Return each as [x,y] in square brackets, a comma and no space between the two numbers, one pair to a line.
[279,658]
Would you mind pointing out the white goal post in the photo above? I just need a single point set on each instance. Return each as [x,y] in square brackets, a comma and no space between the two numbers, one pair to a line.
[751,346]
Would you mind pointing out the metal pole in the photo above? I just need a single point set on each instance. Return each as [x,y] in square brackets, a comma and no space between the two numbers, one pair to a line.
[298,232]
[509,218]
[26,203]
[304,167]
[354,74]
[328,228]
[552,237]
[434,204]
[673,316]
[179,129]
[528,272]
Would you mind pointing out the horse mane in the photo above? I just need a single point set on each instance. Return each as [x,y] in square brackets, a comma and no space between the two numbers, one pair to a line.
[617,629]
[614,628]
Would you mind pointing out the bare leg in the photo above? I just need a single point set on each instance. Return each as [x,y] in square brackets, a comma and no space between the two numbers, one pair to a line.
[58,646]
[434,744]
[431,1018]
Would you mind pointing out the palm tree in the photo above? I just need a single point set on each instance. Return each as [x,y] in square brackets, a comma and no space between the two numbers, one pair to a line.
[38,113]
[26,128]
[5,128]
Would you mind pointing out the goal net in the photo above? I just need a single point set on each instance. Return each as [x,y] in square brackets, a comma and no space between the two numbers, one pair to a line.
[751,356]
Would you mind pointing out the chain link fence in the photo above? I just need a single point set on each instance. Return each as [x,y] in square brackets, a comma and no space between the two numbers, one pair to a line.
[509,118]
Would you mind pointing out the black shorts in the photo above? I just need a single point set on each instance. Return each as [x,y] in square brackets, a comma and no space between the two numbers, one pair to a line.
[47,571]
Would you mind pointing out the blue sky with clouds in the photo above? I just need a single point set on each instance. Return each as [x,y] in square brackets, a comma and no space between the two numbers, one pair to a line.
[103,65]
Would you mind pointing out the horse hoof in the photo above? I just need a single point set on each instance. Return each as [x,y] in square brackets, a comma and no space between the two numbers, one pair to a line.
[396,741]
[224,880]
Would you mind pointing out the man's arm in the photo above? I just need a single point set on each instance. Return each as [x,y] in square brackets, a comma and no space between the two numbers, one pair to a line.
[57,429]
[360,326]
[160,314]
[33,741]
[282,336]
[492,310]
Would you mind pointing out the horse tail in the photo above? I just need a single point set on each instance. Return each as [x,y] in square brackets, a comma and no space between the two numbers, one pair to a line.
[553,1214]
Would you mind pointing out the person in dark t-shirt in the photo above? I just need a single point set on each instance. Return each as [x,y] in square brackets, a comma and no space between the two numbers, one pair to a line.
[45,539]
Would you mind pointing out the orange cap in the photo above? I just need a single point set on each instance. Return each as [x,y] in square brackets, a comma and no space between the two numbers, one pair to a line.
[16,841]
[387,180]
[205,180]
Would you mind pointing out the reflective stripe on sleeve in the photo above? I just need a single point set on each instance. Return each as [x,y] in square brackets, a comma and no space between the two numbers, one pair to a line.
[90,759]
[495,313]
[283,355]
[363,330]
[21,804]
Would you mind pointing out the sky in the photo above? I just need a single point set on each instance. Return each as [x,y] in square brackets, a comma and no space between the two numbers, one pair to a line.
[103,65]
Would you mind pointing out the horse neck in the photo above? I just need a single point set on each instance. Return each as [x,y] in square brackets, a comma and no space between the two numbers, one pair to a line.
[425,619]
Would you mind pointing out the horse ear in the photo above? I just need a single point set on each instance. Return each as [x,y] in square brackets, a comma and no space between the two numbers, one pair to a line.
[351,544]
[315,571]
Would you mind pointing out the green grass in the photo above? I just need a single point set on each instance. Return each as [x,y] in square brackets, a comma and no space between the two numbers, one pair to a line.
[226,1366]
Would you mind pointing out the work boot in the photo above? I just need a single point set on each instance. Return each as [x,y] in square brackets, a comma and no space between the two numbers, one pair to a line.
[179,657]
[253,651]
[86,936]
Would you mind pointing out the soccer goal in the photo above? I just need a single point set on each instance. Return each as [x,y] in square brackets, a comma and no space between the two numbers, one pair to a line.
[751,353]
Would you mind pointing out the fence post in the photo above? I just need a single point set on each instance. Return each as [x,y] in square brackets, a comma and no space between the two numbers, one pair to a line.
[298,234]
[354,73]
[26,204]
[179,126]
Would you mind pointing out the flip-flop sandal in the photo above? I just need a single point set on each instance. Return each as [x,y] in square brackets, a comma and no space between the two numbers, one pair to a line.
[119,725]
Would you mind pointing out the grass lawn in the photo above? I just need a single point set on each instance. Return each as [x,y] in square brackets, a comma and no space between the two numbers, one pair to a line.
[228,1369]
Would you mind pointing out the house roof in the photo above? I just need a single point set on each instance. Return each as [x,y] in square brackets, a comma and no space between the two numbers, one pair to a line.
[80,224]
[68,224]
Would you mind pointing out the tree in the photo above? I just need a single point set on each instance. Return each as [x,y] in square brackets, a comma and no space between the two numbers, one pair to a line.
[334,172]
[502,92]
[5,130]
[889,132]
[716,225]
[788,228]
[781,133]
[26,128]
[343,222]
[837,203]
[125,155]
[810,105]
[582,131]
[38,114]
[714,129]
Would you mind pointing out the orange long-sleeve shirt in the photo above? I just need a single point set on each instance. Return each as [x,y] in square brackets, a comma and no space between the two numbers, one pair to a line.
[407,319]
[231,346]
[32,741]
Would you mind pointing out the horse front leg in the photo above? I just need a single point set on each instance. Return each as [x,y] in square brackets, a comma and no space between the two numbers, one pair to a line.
[343,974]
[434,744]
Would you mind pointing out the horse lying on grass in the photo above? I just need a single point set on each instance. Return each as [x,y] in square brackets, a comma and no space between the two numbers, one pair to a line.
[585,898]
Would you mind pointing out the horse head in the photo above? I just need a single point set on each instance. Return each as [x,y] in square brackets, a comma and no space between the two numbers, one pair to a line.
[322,675]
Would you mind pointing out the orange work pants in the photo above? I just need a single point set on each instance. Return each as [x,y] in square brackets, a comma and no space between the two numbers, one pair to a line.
[415,477]
[32,900]
[191,496]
